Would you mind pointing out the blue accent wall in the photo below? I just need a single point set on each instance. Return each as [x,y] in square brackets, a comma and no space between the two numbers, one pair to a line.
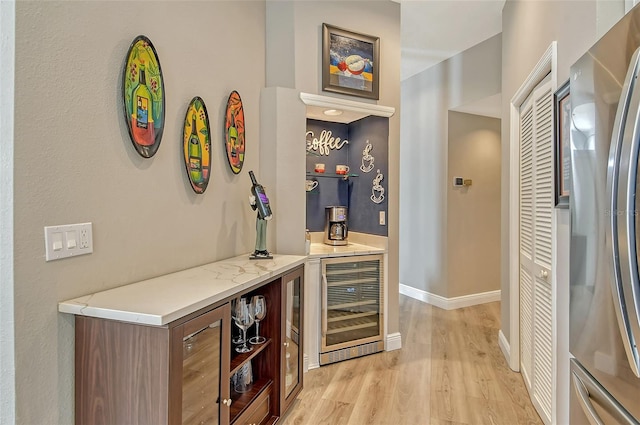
[354,193]
[363,212]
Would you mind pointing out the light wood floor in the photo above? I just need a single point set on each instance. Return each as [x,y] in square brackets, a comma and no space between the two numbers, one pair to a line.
[450,371]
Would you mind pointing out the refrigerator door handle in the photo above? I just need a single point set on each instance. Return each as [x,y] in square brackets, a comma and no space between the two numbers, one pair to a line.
[585,403]
[620,234]
[587,389]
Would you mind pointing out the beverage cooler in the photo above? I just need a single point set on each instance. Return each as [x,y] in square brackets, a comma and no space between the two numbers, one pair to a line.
[352,307]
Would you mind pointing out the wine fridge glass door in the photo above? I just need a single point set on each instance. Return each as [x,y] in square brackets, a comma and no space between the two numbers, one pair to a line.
[352,302]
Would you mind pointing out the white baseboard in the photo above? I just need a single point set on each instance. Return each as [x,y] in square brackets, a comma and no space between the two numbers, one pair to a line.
[450,303]
[307,366]
[394,341]
[504,346]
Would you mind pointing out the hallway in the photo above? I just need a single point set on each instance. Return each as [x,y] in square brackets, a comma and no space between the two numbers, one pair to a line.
[450,371]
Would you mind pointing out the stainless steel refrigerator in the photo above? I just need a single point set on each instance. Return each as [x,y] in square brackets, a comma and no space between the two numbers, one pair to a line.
[605,229]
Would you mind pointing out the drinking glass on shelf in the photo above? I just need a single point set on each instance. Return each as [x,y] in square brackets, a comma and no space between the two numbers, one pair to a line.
[236,337]
[243,378]
[244,319]
[260,310]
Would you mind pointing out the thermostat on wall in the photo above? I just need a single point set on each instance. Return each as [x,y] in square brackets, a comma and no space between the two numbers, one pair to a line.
[461,182]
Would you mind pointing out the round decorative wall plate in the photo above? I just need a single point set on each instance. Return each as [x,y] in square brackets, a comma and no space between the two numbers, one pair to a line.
[143,96]
[197,145]
[234,132]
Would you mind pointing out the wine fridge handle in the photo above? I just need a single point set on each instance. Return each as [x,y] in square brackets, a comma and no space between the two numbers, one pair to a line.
[324,305]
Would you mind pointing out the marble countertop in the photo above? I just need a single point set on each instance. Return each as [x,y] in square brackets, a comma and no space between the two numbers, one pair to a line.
[321,250]
[163,299]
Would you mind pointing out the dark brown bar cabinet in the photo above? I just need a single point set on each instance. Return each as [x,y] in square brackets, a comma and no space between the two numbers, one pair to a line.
[181,373]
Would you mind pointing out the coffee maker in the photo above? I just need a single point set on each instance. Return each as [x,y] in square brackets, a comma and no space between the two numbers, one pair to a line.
[335,226]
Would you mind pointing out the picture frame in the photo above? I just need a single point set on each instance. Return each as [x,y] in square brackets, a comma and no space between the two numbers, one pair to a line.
[350,62]
[562,145]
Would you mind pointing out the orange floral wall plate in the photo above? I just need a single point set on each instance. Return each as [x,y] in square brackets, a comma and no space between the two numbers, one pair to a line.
[197,145]
[234,132]
[143,95]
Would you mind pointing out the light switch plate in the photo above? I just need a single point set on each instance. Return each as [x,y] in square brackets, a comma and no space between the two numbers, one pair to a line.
[69,240]
[382,218]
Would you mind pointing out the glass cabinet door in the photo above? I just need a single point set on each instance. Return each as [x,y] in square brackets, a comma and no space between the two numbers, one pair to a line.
[292,336]
[201,345]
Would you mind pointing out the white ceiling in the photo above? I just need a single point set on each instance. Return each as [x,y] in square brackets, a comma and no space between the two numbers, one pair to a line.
[434,30]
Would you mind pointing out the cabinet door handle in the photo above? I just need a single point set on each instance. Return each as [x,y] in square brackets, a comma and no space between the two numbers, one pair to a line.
[286,344]
[227,402]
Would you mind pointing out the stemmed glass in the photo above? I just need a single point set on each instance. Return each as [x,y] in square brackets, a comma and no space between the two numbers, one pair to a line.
[260,310]
[237,338]
[244,319]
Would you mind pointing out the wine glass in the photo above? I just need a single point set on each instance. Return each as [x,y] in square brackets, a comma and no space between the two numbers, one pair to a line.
[237,337]
[260,310]
[244,319]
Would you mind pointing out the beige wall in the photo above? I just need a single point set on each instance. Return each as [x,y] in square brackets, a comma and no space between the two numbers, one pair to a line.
[426,99]
[473,212]
[78,164]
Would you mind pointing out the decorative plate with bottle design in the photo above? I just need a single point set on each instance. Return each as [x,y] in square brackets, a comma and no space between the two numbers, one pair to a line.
[197,145]
[234,132]
[143,96]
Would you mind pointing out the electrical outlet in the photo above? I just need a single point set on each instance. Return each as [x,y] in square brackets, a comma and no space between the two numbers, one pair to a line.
[382,218]
[69,240]
[84,238]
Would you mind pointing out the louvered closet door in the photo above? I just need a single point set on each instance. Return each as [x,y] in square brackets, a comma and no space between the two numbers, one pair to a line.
[536,194]
[526,240]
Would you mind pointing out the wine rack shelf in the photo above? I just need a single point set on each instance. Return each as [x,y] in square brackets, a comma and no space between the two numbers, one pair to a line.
[241,358]
[351,271]
[352,282]
[354,304]
[348,316]
[242,400]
